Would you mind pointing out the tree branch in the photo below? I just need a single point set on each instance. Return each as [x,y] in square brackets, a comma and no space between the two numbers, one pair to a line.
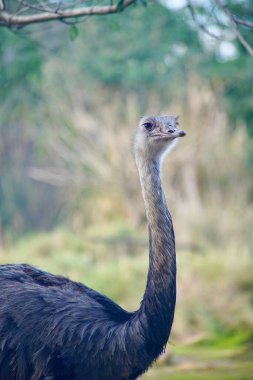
[243,22]
[234,27]
[198,23]
[13,20]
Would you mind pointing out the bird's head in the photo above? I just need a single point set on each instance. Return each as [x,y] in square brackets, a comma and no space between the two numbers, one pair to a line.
[155,136]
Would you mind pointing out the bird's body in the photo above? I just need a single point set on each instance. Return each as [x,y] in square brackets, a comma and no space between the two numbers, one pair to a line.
[52,328]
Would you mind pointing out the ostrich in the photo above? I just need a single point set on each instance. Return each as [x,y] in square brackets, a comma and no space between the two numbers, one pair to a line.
[52,328]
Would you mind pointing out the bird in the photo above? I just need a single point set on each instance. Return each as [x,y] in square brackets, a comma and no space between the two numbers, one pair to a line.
[52,328]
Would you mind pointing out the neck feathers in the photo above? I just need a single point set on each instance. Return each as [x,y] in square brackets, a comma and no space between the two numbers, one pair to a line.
[157,309]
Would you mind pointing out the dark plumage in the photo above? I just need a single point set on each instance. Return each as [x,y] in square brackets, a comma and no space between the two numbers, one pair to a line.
[52,328]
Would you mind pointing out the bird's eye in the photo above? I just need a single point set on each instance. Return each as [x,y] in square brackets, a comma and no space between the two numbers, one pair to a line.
[148,126]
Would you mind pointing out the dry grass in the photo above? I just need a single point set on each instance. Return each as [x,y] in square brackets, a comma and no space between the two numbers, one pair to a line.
[206,178]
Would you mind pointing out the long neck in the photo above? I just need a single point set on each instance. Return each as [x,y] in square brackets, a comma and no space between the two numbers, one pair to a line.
[158,305]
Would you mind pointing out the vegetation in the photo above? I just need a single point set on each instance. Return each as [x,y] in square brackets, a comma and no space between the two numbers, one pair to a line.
[124,85]
[70,100]
[216,18]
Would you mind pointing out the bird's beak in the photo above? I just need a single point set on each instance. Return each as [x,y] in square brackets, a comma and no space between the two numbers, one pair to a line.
[180,133]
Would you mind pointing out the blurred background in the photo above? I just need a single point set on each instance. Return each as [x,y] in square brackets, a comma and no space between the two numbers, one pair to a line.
[70,203]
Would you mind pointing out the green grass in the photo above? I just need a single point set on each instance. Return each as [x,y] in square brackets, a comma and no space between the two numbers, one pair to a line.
[231,372]
[191,370]
[230,359]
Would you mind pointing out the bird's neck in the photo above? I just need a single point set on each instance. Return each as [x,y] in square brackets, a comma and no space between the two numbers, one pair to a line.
[157,308]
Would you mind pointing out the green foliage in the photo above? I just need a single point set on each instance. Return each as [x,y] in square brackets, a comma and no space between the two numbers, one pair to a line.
[149,48]
[20,67]
[235,78]
[149,54]
[120,5]
[73,32]
[155,47]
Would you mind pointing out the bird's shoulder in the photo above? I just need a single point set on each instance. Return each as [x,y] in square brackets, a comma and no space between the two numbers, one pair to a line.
[28,282]
[28,274]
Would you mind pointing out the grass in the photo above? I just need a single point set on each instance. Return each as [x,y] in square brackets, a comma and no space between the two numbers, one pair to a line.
[192,362]
[220,358]
[214,317]
[234,372]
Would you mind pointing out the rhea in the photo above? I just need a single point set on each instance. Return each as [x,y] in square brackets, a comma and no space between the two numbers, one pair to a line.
[52,328]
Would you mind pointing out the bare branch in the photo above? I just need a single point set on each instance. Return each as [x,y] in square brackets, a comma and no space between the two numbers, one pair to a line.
[243,22]
[42,8]
[12,20]
[234,27]
[198,23]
